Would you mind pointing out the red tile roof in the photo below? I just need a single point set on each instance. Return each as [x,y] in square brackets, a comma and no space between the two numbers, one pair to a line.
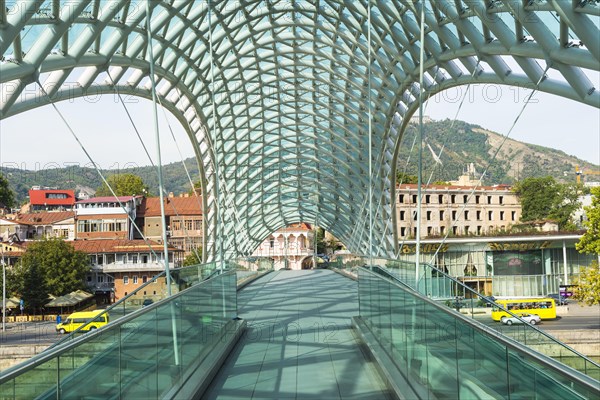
[296,227]
[44,218]
[40,197]
[117,246]
[173,206]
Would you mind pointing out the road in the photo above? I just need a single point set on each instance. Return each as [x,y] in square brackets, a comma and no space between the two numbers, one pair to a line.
[39,333]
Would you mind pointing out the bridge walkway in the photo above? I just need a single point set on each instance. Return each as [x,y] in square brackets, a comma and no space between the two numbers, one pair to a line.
[299,342]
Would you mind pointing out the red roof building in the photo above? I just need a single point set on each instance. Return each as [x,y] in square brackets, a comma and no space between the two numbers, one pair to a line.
[51,199]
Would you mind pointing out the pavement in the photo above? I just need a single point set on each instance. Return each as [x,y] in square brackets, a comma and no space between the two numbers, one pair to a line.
[581,310]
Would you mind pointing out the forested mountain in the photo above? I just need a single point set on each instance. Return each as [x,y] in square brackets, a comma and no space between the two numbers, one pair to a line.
[462,143]
[503,161]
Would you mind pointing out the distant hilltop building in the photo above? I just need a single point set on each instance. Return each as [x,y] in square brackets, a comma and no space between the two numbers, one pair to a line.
[415,119]
[469,178]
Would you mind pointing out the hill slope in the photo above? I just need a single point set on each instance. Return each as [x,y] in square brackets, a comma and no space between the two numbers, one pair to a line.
[462,144]
[467,143]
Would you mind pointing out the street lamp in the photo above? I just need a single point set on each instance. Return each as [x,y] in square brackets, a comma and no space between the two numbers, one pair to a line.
[3,290]
[4,286]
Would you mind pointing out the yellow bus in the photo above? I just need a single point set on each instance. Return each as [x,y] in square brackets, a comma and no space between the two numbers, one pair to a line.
[544,307]
[78,319]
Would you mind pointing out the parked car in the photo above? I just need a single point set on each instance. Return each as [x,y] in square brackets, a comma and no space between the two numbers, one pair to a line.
[147,302]
[529,318]
[558,299]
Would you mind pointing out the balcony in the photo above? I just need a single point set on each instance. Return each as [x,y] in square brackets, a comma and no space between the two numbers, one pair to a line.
[130,267]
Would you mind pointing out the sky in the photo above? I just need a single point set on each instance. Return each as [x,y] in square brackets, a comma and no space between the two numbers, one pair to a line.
[38,139]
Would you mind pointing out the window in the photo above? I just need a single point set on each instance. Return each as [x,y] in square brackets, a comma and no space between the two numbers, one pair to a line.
[465,199]
[144,278]
[56,196]
[100,278]
[490,215]
[478,215]
[501,215]
[414,213]
[414,198]
[125,280]
[402,215]
[401,198]
[454,230]
[477,199]
[442,230]
[441,199]
[135,279]
[403,231]
[479,229]
[429,231]
[429,215]
[427,199]
[489,199]
[453,215]
[466,215]
[466,229]
[453,199]
[88,278]
[513,215]
[501,199]
[271,242]
[441,215]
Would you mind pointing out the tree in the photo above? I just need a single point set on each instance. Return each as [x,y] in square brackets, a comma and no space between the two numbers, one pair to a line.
[401,177]
[34,291]
[544,198]
[197,188]
[62,267]
[123,185]
[590,241]
[7,197]
[193,259]
[588,289]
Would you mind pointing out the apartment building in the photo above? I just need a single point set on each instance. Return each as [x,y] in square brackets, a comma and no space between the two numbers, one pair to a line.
[456,210]
[183,216]
[106,217]
[120,266]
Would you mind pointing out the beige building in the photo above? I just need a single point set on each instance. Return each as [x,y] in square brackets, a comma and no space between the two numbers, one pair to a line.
[184,221]
[456,210]
[291,247]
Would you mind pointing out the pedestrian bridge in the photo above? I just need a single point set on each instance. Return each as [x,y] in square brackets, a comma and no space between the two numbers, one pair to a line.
[365,332]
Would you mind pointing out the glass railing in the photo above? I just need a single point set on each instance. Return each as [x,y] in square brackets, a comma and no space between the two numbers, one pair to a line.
[440,287]
[148,293]
[141,355]
[452,357]
[248,268]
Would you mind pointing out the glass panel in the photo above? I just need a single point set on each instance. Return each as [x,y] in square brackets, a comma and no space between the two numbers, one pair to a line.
[438,348]
[140,356]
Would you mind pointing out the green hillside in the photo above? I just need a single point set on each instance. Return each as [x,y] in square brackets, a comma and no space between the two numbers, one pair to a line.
[463,144]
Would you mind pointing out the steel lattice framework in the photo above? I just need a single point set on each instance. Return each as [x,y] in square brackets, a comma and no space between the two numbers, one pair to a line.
[281,99]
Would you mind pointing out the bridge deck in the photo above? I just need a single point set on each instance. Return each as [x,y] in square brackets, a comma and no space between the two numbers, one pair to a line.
[299,343]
